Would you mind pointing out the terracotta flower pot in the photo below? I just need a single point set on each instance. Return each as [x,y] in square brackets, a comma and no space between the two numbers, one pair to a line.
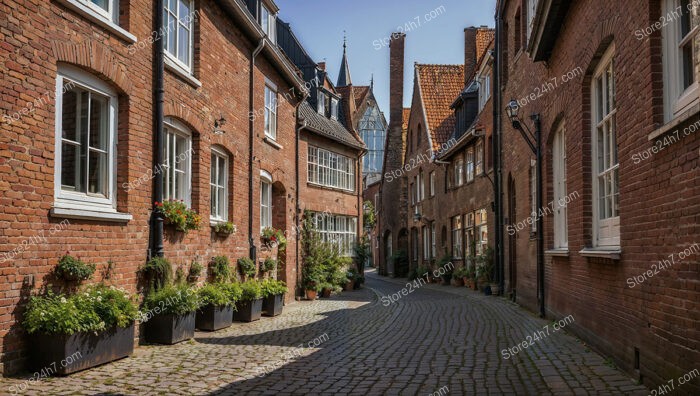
[311,294]
[349,286]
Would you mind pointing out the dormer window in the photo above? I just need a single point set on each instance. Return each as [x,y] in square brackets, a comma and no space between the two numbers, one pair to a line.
[321,103]
[267,22]
[334,108]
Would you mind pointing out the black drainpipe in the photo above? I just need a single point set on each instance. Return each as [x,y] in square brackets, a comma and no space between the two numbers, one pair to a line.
[156,248]
[297,206]
[251,140]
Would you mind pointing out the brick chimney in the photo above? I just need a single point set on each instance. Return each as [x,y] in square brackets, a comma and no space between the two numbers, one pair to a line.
[322,66]
[396,76]
[469,53]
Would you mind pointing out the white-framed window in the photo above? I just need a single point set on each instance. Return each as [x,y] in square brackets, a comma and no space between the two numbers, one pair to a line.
[433,240]
[268,23]
[339,230]
[469,235]
[265,200]
[457,237]
[177,169]
[533,196]
[561,237]
[531,10]
[481,231]
[178,34]
[321,103]
[106,8]
[606,218]
[329,169]
[86,141]
[334,108]
[479,157]
[433,180]
[426,243]
[270,111]
[470,164]
[459,172]
[218,184]
[680,57]
[421,186]
[484,85]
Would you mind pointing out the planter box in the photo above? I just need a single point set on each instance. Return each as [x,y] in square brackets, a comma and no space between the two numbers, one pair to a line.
[273,305]
[66,354]
[212,318]
[248,311]
[170,329]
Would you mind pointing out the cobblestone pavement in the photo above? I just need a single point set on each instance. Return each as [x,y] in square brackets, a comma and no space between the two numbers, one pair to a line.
[434,339]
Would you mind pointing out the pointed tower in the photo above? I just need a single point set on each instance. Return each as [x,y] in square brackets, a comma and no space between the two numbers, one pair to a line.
[344,75]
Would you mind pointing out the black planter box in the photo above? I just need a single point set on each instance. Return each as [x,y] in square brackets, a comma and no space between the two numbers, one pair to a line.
[212,318]
[272,306]
[169,329]
[62,354]
[248,311]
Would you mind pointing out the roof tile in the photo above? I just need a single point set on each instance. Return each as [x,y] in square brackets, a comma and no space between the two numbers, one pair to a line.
[440,85]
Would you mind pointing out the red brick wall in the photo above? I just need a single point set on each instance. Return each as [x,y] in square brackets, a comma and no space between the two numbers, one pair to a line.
[658,197]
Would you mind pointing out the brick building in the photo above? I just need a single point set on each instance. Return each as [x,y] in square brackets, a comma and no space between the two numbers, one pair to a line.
[617,95]
[230,138]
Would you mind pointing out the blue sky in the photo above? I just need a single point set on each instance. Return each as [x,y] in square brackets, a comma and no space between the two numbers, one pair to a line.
[439,38]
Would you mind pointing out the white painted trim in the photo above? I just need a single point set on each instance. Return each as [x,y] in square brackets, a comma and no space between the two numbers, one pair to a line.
[100,18]
[222,154]
[613,254]
[174,66]
[84,214]
[181,129]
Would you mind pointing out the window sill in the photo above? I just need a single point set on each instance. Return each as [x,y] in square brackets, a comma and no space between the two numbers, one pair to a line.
[336,189]
[674,123]
[610,253]
[93,16]
[84,214]
[180,72]
[559,252]
[272,143]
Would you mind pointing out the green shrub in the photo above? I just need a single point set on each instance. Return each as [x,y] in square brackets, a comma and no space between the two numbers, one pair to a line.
[172,299]
[269,265]
[159,271]
[225,228]
[220,269]
[72,269]
[251,290]
[196,270]
[213,294]
[460,273]
[271,287]
[95,309]
[233,291]
[418,272]
[246,266]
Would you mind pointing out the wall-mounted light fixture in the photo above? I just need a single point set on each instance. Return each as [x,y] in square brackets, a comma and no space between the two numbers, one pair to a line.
[218,124]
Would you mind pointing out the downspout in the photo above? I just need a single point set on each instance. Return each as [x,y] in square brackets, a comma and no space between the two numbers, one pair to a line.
[360,204]
[156,248]
[297,216]
[497,160]
[251,141]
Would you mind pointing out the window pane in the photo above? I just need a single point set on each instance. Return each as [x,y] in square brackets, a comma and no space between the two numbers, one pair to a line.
[688,75]
[70,114]
[184,10]
[70,167]
[104,4]
[222,172]
[99,122]
[98,177]
[183,45]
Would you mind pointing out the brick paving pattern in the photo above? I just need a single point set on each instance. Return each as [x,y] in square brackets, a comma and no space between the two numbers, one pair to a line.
[436,336]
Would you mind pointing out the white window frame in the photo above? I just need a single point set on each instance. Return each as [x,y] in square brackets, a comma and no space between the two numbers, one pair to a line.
[479,158]
[457,237]
[470,164]
[78,200]
[426,243]
[459,172]
[329,169]
[421,186]
[339,230]
[265,200]
[111,13]
[271,99]
[484,79]
[531,11]
[334,108]
[219,155]
[481,231]
[321,103]
[561,232]
[271,31]
[433,240]
[187,66]
[606,231]
[677,98]
[173,128]
[432,183]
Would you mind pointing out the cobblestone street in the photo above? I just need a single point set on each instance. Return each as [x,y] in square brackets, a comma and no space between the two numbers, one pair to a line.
[433,337]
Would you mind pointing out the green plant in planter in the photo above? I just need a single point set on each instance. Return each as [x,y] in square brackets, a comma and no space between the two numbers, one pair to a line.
[195,270]
[72,269]
[219,294]
[172,299]
[233,290]
[251,290]
[220,269]
[271,287]
[246,266]
[179,215]
[226,228]
[459,273]
[418,273]
[159,270]
[95,309]
[269,265]
[272,236]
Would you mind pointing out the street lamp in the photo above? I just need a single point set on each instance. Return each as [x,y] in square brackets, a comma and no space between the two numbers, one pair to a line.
[534,141]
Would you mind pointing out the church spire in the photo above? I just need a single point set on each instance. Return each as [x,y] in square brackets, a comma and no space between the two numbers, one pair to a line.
[344,75]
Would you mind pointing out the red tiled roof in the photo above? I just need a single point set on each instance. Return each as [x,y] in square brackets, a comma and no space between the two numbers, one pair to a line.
[406,117]
[439,86]
[484,36]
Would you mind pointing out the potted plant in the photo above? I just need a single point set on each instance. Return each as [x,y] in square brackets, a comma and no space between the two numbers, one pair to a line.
[273,292]
[458,277]
[220,269]
[178,215]
[195,272]
[359,281]
[471,277]
[83,330]
[71,269]
[246,267]
[445,269]
[484,270]
[488,259]
[225,228]
[272,237]
[249,307]
[169,314]
[351,277]
[269,265]
[216,304]
[326,289]
[158,271]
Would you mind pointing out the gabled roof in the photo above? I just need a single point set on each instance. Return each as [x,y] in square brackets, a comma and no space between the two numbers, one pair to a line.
[327,127]
[438,86]
[406,117]
[353,98]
